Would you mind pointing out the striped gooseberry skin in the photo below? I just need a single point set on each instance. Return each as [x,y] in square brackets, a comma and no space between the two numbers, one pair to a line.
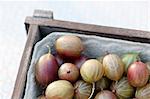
[60,89]
[79,61]
[105,94]
[138,74]
[143,92]
[82,90]
[92,71]
[68,71]
[122,88]
[69,46]
[46,69]
[113,67]
[130,58]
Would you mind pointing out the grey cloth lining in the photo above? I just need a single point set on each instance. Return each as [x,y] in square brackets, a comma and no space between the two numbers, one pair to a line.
[94,46]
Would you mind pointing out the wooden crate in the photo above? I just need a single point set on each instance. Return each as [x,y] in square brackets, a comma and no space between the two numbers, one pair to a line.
[42,24]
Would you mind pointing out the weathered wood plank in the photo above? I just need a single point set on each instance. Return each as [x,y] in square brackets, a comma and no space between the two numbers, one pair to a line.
[25,61]
[88,27]
[43,14]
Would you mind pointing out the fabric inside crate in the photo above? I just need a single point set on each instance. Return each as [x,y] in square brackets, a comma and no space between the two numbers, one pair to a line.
[94,46]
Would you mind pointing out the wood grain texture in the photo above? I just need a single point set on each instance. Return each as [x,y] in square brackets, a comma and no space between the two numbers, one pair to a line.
[43,14]
[88,27]
[33,36]
[25,61]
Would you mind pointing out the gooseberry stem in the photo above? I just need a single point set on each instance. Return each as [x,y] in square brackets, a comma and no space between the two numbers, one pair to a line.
[101,88]
[93,89]
[107,53]
[116,82]
[49,49]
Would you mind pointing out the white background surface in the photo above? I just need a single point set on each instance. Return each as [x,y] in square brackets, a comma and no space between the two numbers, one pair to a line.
[130,14]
